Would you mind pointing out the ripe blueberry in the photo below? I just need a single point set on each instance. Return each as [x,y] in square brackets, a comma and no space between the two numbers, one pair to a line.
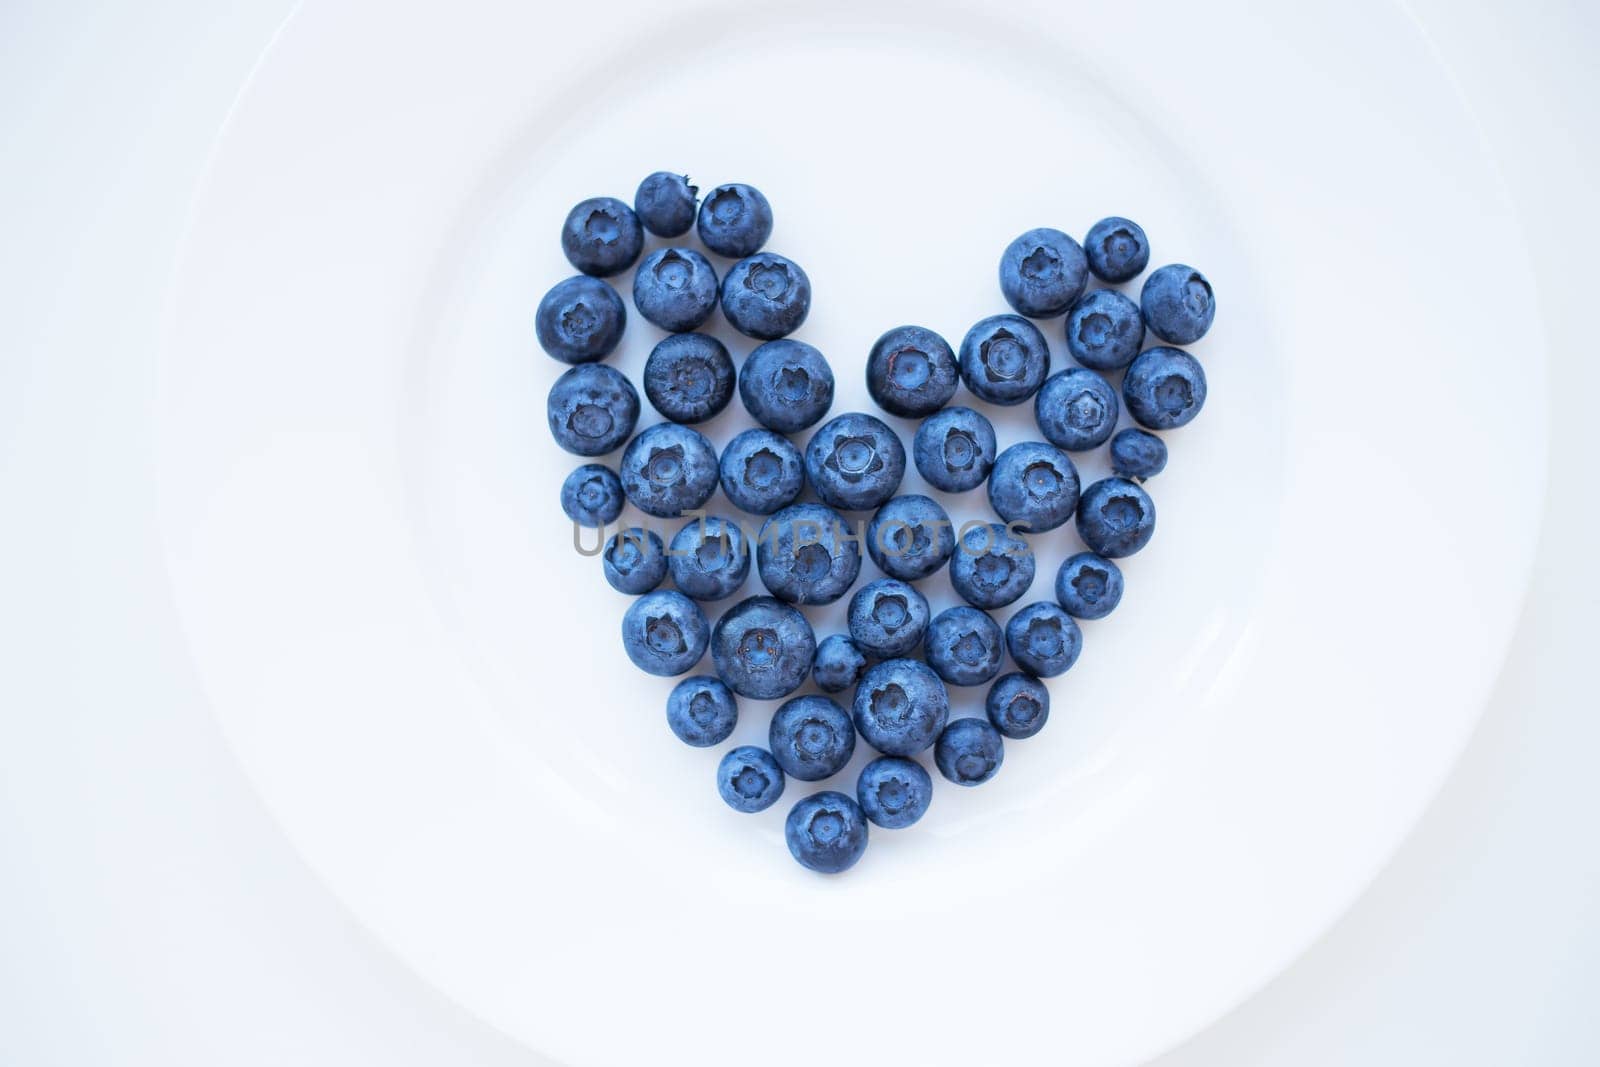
[787,385]
[602,236]
[855,462]
[664,633]
[1104,330]
[762,648]
[839,664]
[675,288]
[1138,454]
[592,495]
[807,555]
[910,537]
[766,296]
[894,792]
[749,779]
[735,220]
[1178,304]
[761,471]
[826,832]
[592,409]
[689,377]
[887,618]
[964,646]
[1088,586]
[1018,705]
[900,707]
[992,566]
[954,449]
[1165,388]
[634,560]
[911,371]
[969,752]
[1034,484]
[1117,249]
[665,203]
[1116,517]
[811,737]
[709,558]
[580,320]
[669,469]
[1004,359]
[702,711]
[1043,640]
[1042,273]
[1076,410]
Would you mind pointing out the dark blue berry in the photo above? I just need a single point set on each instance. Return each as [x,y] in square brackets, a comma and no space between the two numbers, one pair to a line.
[669,469]
[1018,705]
[665,204]
[894,792]
[1004,359]
[900,707]
[839,664]
[762,471]
[912,371]
[1088,586]
[675,288]
[910,537]
[812,738]
[954,449]
[1034,484]
[1117,249]
[763,648]
[735,220]
[787,385]
[702,711]
[992,566]
[1138,454]
[602,236]
[1042,273]
[634,560]
[665,633]
[964,646]
[1076,410]
[709,558]
[1178,304]
[689,377]
[592,409]
[1104,330]
[887,618]
[1116,517]
[766,296]
[969,752]
[749,779]
[855,462]
[1043,639]
[1165,388]
[592,495]
[826,832]
[580,320]
[807,554]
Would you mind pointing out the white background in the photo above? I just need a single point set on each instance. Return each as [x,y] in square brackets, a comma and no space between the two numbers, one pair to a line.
[151,912]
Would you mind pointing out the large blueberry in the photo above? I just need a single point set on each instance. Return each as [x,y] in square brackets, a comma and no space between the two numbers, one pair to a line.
[1104,330]
[1076,410]
[592,495]
[910,537]
[808,554]
[675,288]
[887,618]
[766,296]
[1178,304]
[900,707]
[954,449]
[1165,388]
[826,832]
[1117,249]
[702,711]
[669,469]
[1138,454]
[894,792]
[1043,639]
[811,737]
[762,471]
[1042,272]
[969,752]
[709,558]
[665,203]
[1004,359]
[787,385]
[634,560]
[689,377]
[762,648]
[964,646]
[1034,484]
[839,664]
[1116,517]
[735,220]
[580,320]
[855,462]
[664,633]
[602,236]
[992,566]
[912,371]
[1088,586]
[749,779]
[1018,705]
[592,409]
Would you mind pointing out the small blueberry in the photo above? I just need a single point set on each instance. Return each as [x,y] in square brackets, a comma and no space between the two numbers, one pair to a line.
[910,537]
[602,236]
[812,738]
[1076,410]
[1088,586]
[689,377]
[1104,330]
[735,220]
[592,409]
[762,648]
[1004,359]
[675,288]
[954,449]
[1178,304]
[839,664]
[1043,639]
[702,711]
[900,707]
[592,495]
[665,204]
[749,779]
[826,832]
[1042,273]
[787,385]
[1117,249]
[1165,388]
[580,320]
[1034,484]
[1018,705]
[669,469]
[709,558]
[969,752]
[807,554]
[766,296]
[634,560]
[1116,517]
[992,566]
[964,646]
[664,633]
[912,371]
[762,471]
[855,462]
[887,618]
[894,792]
[1138,454]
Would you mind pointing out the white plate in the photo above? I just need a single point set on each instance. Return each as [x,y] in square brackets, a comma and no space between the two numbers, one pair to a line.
[426,686]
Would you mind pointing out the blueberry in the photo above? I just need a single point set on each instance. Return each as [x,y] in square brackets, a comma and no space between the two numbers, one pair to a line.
[826,832]
[1088,586]
[1138,454]
[1034,484]
[1018,705]
[954,449]
[665,204]
[1117,249]
[1165,388]
[664,633]
[762,471]
[602,236]
[1042,273]
[787,385]
[675,288]
[592,495]
[1043,640]
[1076,410]
[807,555]
[910,537]
[735,220]
[1116,517]
[709,559]
[839,664]
[1104,330]
[894,792]
[689,377]
[634,560]
[669,469]
[969,752]
[592,409]
[766,296]
[580,320]
[812,738]
[992,566]
[887,618]
[855,462]
[763,648]
[702,711]
[1178,304]
[912,372]
[964,646]
[900,707]
[1004,359]
[749,779]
